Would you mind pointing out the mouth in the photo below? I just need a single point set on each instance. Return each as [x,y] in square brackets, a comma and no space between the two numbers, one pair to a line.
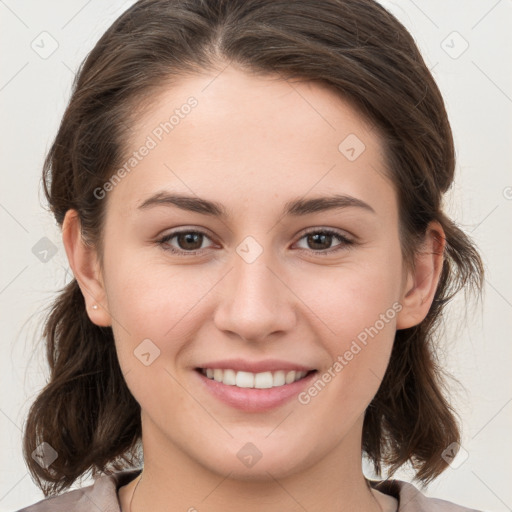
[254,392]
[262,380]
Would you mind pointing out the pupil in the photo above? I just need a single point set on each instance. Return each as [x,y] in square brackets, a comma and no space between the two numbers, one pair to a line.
[189,238]
[314,238]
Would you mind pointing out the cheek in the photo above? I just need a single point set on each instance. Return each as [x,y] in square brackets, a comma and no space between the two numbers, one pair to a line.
[162,303]
[352,298]
[145,295]
[154,315]
[362,326]
[359,325]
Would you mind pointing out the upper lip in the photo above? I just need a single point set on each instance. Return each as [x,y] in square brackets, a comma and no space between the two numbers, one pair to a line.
[268,365]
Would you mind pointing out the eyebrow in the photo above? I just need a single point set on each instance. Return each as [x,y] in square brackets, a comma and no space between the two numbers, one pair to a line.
[295,208]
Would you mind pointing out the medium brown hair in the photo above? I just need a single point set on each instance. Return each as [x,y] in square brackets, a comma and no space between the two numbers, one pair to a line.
[356,47]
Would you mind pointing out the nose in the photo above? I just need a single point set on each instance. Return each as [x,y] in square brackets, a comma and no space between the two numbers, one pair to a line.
[256,301]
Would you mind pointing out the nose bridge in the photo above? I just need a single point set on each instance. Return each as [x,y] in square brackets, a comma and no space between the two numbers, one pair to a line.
[256,303]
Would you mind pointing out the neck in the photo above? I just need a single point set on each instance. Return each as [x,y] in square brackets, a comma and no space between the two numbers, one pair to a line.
[171,476]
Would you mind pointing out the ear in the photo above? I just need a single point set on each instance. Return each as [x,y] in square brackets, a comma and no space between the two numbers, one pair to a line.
[84,263]
[421,283]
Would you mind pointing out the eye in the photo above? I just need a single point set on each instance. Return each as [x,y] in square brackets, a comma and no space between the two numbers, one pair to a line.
[189,242]
[320,241]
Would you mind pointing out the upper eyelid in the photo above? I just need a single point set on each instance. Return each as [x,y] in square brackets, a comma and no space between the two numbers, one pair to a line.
[180,231]
[336,231]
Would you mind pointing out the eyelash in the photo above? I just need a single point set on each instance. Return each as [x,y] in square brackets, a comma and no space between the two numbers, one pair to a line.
[346,243]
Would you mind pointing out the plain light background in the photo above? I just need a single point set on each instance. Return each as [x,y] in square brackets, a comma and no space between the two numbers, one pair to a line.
[468,46]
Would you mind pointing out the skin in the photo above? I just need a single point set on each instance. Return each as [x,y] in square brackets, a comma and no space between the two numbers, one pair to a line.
[253,143]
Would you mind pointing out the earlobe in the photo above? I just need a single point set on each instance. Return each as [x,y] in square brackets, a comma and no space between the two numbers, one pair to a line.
[84,263]
[421,283]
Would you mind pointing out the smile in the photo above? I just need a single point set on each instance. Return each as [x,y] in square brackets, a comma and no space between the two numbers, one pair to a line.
[263,380]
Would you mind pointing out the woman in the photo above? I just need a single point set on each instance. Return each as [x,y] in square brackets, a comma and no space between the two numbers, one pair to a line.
[250,198]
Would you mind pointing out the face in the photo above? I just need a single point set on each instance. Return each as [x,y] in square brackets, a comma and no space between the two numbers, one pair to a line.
[277,279]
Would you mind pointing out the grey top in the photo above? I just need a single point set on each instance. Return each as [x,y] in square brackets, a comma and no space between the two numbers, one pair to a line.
[102,496]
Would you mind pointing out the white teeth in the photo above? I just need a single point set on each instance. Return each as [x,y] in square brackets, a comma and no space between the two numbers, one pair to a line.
[263,380]
[290,377]
[279,378]
[244,379]
[229,377]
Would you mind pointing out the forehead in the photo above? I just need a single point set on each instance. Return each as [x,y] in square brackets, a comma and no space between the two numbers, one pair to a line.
[235,135]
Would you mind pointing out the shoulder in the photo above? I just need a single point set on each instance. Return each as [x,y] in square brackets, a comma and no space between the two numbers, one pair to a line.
[101,495]
[410,499]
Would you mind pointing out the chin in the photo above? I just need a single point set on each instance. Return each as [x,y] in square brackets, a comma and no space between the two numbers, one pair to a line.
[254,461]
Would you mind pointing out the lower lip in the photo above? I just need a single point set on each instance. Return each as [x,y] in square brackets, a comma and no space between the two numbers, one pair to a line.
[252,399]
